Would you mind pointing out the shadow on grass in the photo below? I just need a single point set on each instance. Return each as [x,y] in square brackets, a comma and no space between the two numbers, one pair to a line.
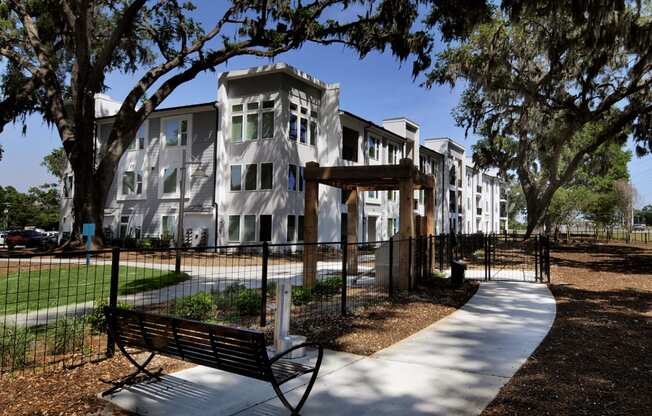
[605,258]
[152,283]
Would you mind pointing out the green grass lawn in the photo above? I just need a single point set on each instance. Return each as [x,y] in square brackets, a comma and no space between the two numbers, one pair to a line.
[38,289]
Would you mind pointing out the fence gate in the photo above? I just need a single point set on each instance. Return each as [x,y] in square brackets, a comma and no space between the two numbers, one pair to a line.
[513,258]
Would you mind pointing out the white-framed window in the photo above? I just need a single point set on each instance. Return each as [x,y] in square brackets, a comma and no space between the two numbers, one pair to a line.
[392,227]
[234,228]
[249,228]
[303,126]
[265,228]
[372,195]
[68,183]
[252,119]
[373,147]
[138,143]
[132,183]
[391,195]
[251,177]
[170,180]
[291,228]
[300,228]
[176,131]
[266,176]
[292,178]
[168,225]
[236,178]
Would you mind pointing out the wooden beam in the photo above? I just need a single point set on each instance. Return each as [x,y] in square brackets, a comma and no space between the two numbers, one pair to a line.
[352,232]
[406,232]
[429,208]
[311,229]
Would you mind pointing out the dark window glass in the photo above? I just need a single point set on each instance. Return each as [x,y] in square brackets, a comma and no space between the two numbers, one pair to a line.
[265,228]
[266,175]
[251,177]
[292,178]
[293,127]
[236,178]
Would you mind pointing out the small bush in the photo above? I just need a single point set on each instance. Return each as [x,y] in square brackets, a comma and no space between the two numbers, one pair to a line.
[478,254]
[234,289]
[66,336]
[301,295]
[328,287]
[96,318]
[198,307]
[248,302]
[15,346]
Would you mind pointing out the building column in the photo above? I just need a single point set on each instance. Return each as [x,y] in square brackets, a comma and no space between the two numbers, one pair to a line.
[352,232]
[406,218]
[310,229]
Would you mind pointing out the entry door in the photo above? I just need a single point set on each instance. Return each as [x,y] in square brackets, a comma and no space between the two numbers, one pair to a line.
[371,228]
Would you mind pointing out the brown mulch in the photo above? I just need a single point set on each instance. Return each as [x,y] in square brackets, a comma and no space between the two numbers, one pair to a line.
[597,358]
[74,391]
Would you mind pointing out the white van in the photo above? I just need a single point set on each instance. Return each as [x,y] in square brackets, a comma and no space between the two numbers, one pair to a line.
[2,238]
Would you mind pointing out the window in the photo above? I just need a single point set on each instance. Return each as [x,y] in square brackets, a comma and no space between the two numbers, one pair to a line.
[67,186]
[139,141]
[249,228]
[234,228]
[373,144]
[252,126]
[391,195]
[236,129]
[236,178]
[266,175]
[268,125]
[251,177]
[291,230]
[124,226]
[293,127]
[302,181]
[391,156]
[292,178]
[169,180]
[303,137]
[176,132]
[132,183]
[300,228]
[349,144]
[391,226]
[372,195]
[265,228]
[168,226]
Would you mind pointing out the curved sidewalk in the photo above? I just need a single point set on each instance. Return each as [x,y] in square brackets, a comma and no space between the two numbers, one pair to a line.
[453,367]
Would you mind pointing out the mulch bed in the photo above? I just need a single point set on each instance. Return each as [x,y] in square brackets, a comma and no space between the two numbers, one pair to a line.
[74,391]
[597,359]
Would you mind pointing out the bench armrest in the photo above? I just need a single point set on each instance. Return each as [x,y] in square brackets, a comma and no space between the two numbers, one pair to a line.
[305,344]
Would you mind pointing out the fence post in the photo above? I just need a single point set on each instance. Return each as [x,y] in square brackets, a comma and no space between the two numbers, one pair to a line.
[263,286]
[345,249]
[548,259]
[391,267]
[432,243]
[113,296]
[410,263]
[440,250]
[486,254]
[536,258]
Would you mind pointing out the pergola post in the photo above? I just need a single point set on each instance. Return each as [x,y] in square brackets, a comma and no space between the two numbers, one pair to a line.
[429,196]
[406,213]
[352,231]
[311,229]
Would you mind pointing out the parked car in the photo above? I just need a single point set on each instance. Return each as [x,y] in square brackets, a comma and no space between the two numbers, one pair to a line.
[2,238]
[638,227]
[26,238]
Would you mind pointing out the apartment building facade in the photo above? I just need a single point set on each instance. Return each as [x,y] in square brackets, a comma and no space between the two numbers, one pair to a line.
[243,156]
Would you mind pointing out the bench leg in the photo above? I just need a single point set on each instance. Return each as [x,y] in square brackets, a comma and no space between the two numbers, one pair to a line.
[294,410]
[140,368]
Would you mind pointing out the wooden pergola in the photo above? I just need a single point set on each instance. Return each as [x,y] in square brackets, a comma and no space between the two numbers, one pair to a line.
[405,177]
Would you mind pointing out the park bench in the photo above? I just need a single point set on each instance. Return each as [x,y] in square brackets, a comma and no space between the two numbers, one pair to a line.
[234,350]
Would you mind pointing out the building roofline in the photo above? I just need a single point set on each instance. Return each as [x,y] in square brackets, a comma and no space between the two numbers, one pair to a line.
[280,67]
[372,124]
[179,107]
[422,147]
[403,118]
[448,139]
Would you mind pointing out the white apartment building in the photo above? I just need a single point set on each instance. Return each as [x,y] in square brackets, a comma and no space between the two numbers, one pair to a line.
[244,158]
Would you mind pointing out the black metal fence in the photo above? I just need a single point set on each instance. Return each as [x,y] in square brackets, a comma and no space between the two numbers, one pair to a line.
[51,304]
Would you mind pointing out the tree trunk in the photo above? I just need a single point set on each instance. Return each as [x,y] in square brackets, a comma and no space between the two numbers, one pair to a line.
[88,206]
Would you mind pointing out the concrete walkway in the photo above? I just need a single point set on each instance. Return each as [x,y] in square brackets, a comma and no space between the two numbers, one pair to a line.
[454,367]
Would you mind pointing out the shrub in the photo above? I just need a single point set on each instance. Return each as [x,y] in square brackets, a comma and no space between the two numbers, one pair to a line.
[301,295]
[198,306]
[66,336]
[96,318]
[328,287]
[15,346]
[479,254]
[248,302]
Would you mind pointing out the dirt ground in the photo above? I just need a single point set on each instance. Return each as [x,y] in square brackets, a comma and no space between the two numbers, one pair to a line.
[74,391]
[597,359]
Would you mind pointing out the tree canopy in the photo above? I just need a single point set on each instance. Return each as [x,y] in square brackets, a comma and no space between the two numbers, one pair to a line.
[55,56]
[38,207]
[548,84]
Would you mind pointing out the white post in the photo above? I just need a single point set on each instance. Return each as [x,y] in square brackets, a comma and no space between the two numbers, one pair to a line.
[182,203]
[282,318]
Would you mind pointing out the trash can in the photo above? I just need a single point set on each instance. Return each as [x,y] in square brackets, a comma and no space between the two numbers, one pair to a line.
[458,268]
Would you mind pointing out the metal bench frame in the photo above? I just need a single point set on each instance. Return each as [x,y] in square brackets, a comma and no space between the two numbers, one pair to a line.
[235,350]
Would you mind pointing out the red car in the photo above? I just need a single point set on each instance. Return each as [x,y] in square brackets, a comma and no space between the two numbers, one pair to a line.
[27,238]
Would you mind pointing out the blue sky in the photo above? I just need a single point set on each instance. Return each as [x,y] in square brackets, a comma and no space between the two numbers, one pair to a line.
[376,87]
